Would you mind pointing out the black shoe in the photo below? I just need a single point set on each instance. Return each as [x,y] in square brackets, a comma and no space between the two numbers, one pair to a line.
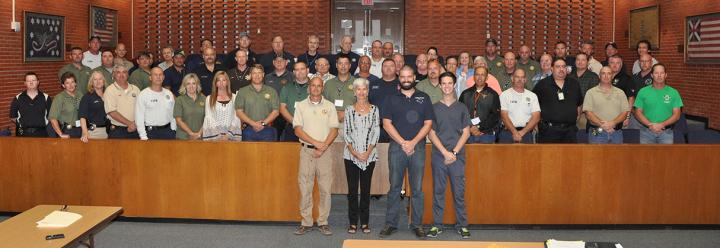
[387,231]
[420,233]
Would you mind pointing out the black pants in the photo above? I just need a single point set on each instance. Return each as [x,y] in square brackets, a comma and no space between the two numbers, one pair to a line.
[289,134]
[119,132]
[555,134]
[161,133]
[279,125]
[31,132]
[354,176]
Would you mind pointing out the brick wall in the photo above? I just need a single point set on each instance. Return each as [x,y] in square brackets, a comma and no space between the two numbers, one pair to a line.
[698,84]
[12,67]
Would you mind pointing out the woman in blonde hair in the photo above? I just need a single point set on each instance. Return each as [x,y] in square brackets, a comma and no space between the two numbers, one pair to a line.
[220,121]
[189,111]
[93,118]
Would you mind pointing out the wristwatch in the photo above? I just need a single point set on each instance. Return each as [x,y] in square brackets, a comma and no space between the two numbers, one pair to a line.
[263,124]
[454,152]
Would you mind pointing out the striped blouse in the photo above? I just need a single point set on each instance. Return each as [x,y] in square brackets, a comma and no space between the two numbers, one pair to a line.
[360,132]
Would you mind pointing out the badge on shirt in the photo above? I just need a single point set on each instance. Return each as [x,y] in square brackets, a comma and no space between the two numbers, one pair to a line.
[350,87]
[475,120]
[568,68]
[561,95]
[615,81]
[267,96]
[324,111]
[498,64]
[420,99]
[167,97]
[247,77]
[532,68]
[339,103]
[202,104]
[353,60]
[667,98]
[133,95]
[648,81]
[283,82]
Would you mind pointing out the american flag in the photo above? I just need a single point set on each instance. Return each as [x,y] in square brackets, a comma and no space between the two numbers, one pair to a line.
[104,24]
[703,38]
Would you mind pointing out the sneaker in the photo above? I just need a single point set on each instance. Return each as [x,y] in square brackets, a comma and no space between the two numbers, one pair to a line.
[434,231]
[464,233]
[302,230]
[387,231]
[419,233]
[325,230]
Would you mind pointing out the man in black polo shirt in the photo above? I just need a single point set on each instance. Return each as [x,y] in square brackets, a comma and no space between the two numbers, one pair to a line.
[640,80]
[29,109]
[278,50]
[206,72]
[346,48]
[622,81]
[175,74]
[407,117]
[239,74]
[561,51]
[195,60]
[381,89]
[312,54]
[560,101]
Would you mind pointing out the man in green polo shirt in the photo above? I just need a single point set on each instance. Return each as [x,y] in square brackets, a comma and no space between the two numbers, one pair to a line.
[290,95]
[339,90]
[257,105]
[657,108]
[141,76]
[431,85]
[108,61]
[81,72]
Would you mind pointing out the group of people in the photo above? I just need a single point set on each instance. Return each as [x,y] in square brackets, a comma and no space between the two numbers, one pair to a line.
[360,101]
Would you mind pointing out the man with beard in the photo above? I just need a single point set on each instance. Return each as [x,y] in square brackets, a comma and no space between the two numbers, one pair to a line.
[407,117]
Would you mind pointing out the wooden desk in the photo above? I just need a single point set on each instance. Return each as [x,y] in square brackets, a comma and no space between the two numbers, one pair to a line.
[353,243]
[22,231]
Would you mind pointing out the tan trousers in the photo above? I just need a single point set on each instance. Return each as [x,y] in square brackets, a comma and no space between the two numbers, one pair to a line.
[310,168]
[98,133]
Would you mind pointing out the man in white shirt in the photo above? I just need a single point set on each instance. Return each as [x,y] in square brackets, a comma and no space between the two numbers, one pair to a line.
[376,58]
[92,57]
[519,111]
[154,109]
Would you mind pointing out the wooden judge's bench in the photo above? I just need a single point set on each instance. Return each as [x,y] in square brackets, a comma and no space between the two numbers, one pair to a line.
[506,184]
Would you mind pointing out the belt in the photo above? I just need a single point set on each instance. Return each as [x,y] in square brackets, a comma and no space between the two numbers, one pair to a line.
[93,126]
[150,128]
[558,124]
[66,126]
[616,127]
[519,128]
[307,146]
[29,130]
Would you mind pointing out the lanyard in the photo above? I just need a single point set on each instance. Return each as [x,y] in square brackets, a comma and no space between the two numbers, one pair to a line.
[307,59]
[476,98]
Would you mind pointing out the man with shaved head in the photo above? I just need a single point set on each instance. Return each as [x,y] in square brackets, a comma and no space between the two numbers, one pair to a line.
[154,109]
[525,62]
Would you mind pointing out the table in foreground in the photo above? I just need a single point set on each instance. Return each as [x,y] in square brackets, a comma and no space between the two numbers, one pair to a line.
[353,243]
[22,231]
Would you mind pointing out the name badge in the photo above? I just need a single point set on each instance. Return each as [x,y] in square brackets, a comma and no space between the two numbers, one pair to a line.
[475,120]
[339,103]
[561,96]
[77,123]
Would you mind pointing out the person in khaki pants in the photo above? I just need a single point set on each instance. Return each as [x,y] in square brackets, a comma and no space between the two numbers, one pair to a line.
[316,124]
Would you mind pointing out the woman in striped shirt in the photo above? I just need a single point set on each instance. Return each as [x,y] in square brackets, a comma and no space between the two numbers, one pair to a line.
[362,131]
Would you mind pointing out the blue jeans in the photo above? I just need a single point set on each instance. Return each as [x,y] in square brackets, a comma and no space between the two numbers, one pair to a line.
[648,137]
[266,134]
[506,137]
[415,164]
[488,138]
[440,175]
[603,137]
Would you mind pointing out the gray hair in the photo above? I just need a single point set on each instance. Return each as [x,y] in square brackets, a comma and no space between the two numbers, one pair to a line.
[360,82]
[119,67]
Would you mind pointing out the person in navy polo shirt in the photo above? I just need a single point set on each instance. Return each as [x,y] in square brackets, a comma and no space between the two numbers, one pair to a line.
[407,117]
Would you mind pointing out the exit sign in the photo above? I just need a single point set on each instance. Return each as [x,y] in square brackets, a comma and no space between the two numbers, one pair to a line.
[367,2]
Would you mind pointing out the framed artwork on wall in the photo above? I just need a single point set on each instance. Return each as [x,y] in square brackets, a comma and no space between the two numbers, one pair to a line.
[104,24]
[644,25]
[702,39]
[43,37]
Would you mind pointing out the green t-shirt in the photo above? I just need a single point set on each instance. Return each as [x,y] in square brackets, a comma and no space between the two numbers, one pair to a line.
[140,78]
[336,91]
[191,112]
[65,108]
[658,104]
[257,104]
[434,92]
[293,93]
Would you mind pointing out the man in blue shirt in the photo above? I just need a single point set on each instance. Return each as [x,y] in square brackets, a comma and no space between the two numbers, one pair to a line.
[407,117]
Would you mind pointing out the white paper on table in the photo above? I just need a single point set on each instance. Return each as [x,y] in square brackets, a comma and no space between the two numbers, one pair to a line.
[551,243]
[58,219]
